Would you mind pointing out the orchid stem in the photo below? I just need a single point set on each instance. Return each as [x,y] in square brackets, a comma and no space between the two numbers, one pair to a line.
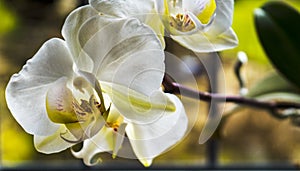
[175,88]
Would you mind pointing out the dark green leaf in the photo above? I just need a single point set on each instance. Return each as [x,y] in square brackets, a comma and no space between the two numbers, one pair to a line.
[278,27]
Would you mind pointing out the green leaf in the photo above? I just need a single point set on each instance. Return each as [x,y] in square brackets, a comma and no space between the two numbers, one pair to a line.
[277,26]
[271,84]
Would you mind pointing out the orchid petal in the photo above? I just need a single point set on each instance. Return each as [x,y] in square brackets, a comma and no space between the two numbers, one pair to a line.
[150,140]
[161,7]
[70,32]
[124,8]
[201,42]
[155,23]
[143,10]
[141,71]
[53,143]
[130,53]
[223,19]
[194,6]
[138,107]
[26,91]
[113,8]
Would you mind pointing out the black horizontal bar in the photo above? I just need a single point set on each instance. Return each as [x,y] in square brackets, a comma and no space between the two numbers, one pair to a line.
[128,166]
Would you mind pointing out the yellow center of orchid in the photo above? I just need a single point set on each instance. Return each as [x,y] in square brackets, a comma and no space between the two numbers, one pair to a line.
[179,21]
[182,22]
[185,16]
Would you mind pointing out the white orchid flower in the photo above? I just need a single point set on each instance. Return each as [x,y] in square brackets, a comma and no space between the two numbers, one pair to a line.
[199,25]
[99,83]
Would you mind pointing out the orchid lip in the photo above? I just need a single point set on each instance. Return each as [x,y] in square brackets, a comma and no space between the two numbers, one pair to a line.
[77,107]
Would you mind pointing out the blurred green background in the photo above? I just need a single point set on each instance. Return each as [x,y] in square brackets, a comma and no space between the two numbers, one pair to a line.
[251,136]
